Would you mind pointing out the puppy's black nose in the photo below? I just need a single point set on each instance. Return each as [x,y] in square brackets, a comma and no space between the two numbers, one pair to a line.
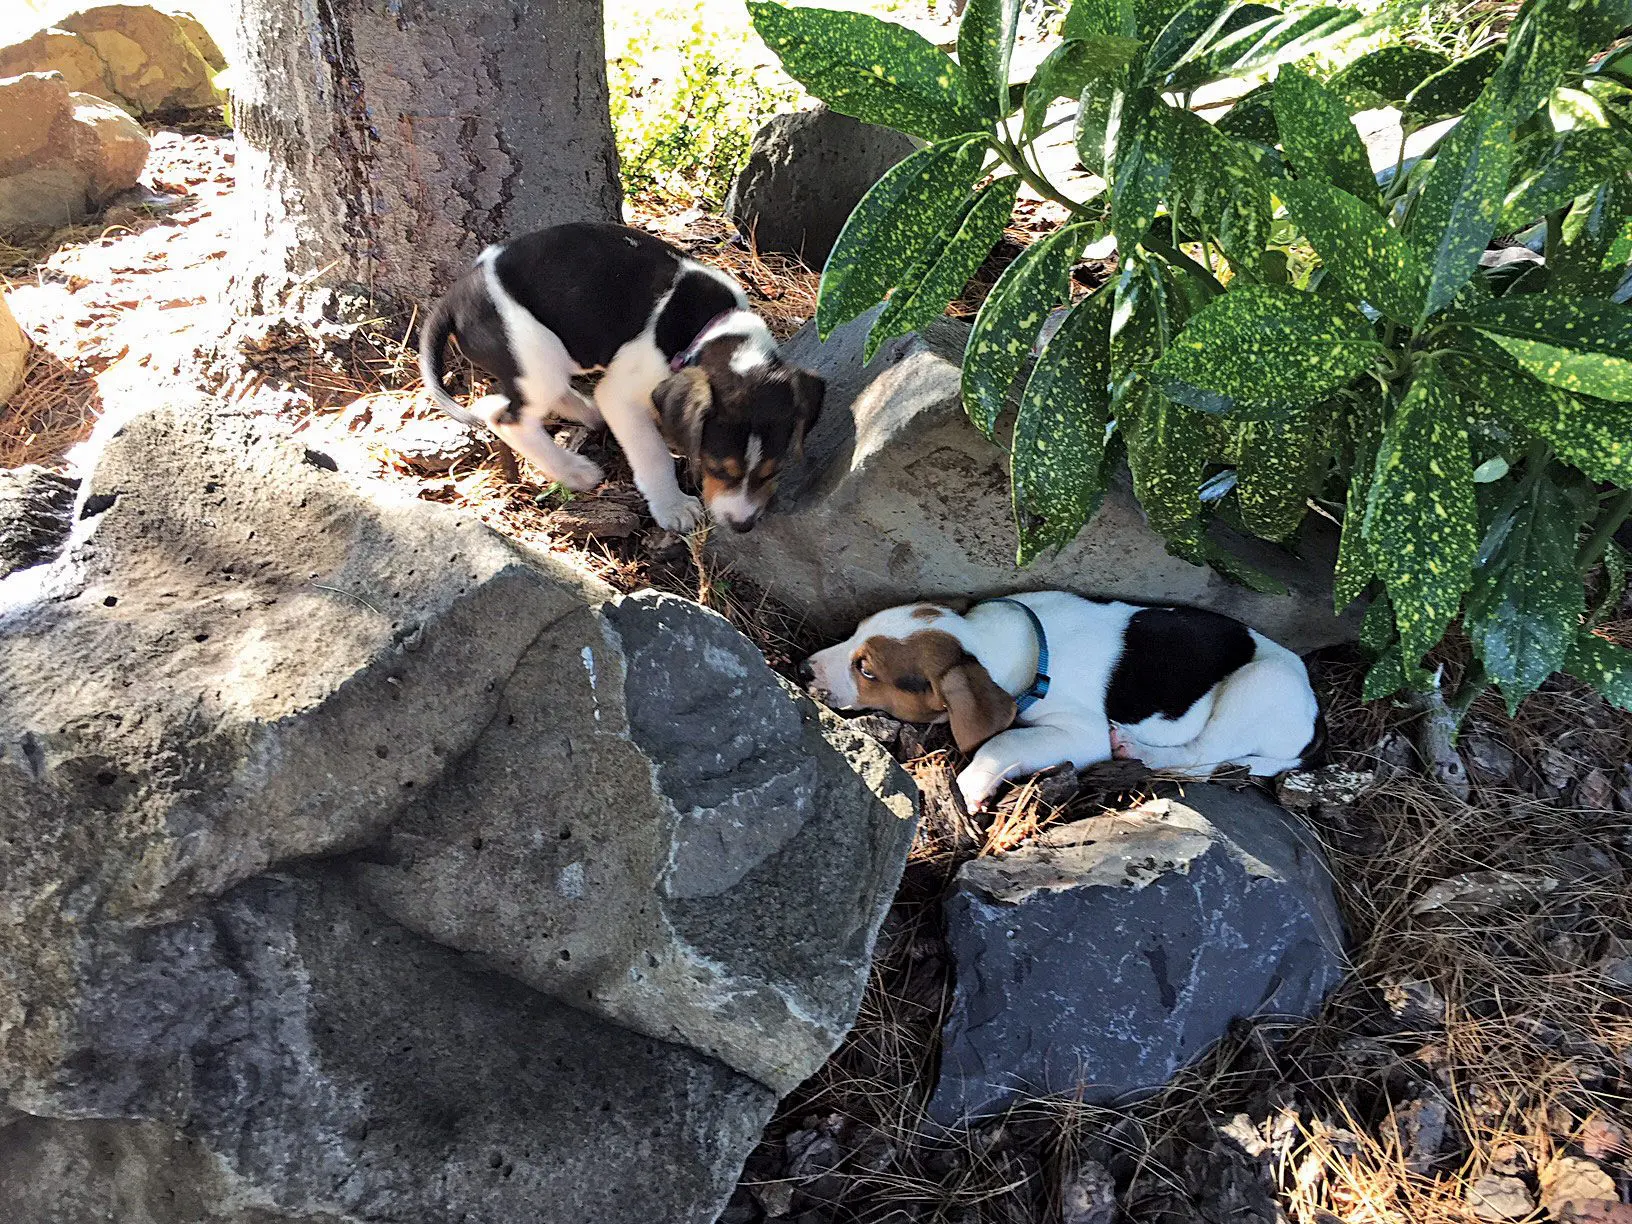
[805,672]
[742,528]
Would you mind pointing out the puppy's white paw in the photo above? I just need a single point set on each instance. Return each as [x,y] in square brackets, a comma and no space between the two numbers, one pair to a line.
[678,513]
[977,786]
[577,473]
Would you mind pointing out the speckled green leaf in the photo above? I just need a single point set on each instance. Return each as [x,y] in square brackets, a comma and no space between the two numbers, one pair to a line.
[1604,665]
[1057,468]
[1143,321]
[1010,319]
[1390,675]
[1452,89]
[1281,38]
[1422,522]
[1099,122]
[1069,69]
[1281,464]
[1540,46]
[1386,76]
[1252,117]
[1168,448]
[1265,346]
[1150,16]
[1597,242]
[870,69]
[1602,20]
[1593,435]
[1222,189]
[1365,252]
[985,42]
[1087,18]
[1377,631]
[1318,137]
[1461,202]
[1552,170]
[1355,566]
[1577,344]
[900,216]
[1144,163]
[1527,598]
[1188,29]
[946,266]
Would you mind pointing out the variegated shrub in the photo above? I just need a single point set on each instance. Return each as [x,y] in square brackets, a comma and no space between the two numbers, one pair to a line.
[1287,331]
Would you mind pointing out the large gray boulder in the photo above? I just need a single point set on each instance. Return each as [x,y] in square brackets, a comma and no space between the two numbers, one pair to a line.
[900,498]
[1104,955]
[356,864]
[806,172]
[35,508]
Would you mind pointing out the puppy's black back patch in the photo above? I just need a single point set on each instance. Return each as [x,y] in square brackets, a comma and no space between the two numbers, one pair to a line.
[698,299]
[592,284]
[1170,658]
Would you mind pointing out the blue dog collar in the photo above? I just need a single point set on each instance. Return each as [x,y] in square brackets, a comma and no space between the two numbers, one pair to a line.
[1039,682]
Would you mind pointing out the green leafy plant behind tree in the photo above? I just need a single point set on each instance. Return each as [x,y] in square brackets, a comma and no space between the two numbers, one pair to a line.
[1288,329]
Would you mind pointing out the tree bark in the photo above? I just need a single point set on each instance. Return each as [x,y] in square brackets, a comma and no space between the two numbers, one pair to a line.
[384,143]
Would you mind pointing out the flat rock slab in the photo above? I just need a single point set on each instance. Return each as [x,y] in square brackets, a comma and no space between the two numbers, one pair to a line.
[900,498]
[357,864]
[1105,955]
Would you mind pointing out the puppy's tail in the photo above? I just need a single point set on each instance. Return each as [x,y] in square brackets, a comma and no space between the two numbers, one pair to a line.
[433,342]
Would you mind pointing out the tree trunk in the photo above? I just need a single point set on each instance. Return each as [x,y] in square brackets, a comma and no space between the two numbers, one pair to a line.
[384,143]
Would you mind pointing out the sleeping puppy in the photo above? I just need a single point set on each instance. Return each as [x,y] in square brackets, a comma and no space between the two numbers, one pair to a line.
[687,366]
[1178,688]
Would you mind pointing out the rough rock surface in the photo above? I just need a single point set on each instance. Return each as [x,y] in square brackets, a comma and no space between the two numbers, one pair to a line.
[111,145]
[899,497]
[1106,954]
[35,513]
[357,865]
[56,50]
[61,153]
[14,348]
[149,63]
[805,173]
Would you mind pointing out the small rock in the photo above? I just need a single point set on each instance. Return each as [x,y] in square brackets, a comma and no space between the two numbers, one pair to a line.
[1420,1129]
[1482,893]
[1088,1196]
[1602,1138]
[1623,792]
[811,1153]
[593,518]
[1509,1159]
[1489,760]
[109,144]
[1497,1198]
[1557,769]
[776,1197]
[1574,1179]
[1240,1131]
[1058,786]
[14,350]
[1595,794]
[1415,1003]
[1329,792]
[432,445]
[150,63]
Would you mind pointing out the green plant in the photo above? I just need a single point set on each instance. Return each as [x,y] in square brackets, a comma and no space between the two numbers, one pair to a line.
[686,100]
[1285,328]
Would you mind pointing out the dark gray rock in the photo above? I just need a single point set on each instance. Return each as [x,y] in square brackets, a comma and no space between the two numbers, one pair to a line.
[805,174]
[1106,954]
[289,1048]
[583,885]
[35,512]
[900,498]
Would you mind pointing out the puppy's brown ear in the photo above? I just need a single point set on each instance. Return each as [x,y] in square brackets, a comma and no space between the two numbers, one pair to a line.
[976,707]
[809,390]
[682,401]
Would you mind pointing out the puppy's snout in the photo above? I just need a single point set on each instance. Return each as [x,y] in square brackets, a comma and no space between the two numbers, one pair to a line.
[743,526]
[805,672]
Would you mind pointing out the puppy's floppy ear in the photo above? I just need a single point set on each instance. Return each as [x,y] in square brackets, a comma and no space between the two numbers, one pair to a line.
[809,390]
[976,707]
[682,401]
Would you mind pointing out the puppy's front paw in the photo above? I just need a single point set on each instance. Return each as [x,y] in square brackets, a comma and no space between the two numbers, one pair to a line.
[976,787]
[577,473]
[679,513]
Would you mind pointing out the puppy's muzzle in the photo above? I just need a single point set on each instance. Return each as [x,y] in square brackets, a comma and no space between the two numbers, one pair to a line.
[742,526]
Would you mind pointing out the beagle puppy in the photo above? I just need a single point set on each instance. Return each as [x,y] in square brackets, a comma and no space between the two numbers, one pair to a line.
[687,367]
[1048,677]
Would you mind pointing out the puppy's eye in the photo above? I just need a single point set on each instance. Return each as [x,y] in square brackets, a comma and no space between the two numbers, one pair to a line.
[861,666]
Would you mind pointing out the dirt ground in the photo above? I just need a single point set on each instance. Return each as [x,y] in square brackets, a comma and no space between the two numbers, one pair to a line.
[1475,1066]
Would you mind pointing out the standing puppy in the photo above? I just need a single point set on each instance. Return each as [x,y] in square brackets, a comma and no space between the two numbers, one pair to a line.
[1178,688]
[687,365]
